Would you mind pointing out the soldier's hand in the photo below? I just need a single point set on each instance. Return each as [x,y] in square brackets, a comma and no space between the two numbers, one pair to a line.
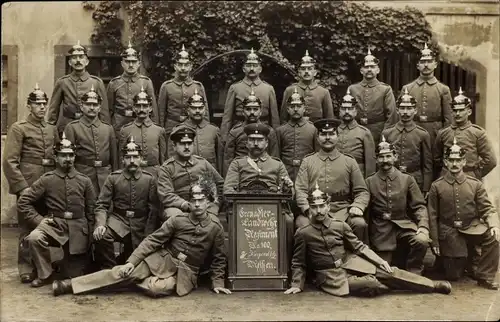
[99,232]
[288,182]
[186,207]
[47,221]
[436,251]
[221,289]
[495,232]
[386,267]
[293,290]
[355,211]
[126,269]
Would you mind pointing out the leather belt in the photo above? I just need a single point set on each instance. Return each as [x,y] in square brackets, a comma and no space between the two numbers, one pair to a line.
[335,264]
[427,119]
[72,115]
[125,112]
[130,213]
[182,257]
[39,161]
[335,197]
[65,214]
[91,163]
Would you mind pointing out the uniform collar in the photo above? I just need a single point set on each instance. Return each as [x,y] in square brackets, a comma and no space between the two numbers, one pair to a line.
[353,124]
[298,124]
[128,175]
[71,174]
[203,222]
[463,127]
[391,176]
[179,82]
[83,77]
[132,78]
[451,178]
[35,121]
[325,155]
[262,158]
[255,82]
[96,122]
[191,162]
[431,81]
[326,222]
[311,86]
[401,126]
[374,82]
[200,125]
[147,122]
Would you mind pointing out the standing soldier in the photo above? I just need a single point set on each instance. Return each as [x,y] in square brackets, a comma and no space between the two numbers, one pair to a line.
[207,142]
[317,98]
[399,223]
[239,91]
[479,154]
[336,174]
[151,137]
[376,102]
[235,145]
[175,93]
[132,192]
[27,156]
[123,88]
[65,103]
[412,143]
[354,139]
[297,137]
[96,154]
[70,199]
[462,217]
[433,97]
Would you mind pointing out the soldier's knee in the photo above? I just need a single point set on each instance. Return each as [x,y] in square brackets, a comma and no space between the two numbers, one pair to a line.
[420,243]
[301,221]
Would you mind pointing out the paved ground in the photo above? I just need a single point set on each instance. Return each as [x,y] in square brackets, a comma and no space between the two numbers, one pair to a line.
[21,303]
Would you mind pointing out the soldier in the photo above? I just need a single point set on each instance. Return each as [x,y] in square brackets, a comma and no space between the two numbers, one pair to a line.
[132,192]
[175,92]
[479,153]
[297,137]
[96,154]
[207,140]
[27,156]
[338,272]
[123,88]
[235,145]
[151,138]
[69,198]
[354,139]
[239,91]
[376,102]
[169,259]
[336,173]
[317,98]
[399,223]
[433,97]
[178,174]
[65,103]
[461,217]
[412,143]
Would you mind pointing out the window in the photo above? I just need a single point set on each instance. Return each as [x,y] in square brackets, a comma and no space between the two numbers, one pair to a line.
[9,87]
[5,93]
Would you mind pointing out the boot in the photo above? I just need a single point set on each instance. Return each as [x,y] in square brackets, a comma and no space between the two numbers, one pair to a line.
[491,285]
[27,278]
[38,282]
[62,287]
[443,287]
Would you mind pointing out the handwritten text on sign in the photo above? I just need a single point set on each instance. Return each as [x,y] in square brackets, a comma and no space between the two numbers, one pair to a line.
[257,239]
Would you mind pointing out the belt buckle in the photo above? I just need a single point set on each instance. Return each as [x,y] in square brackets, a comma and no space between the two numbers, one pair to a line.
[363,120]
[130,213]
[457,224]
[78,115]
[338,262]
[181,256]
[296,162]
[129,113]
[47,162]
[402,168]
[98,163]
[144,163]
[423,118]
[68,215]
[386,216]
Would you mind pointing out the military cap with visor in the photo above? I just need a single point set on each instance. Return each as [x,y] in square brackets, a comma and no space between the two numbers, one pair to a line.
[182,133]
[327,125]
[256,128]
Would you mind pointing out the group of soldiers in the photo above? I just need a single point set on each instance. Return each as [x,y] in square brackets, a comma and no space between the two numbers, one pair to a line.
[94,167]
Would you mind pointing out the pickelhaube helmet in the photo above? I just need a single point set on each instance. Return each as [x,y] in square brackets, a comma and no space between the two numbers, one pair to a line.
[77,50]
[142,97]
[91,97]
[182,56]
[307,60]
[454,151]
[130,53]
[196,100]
[426,53]
[182,133]
[198,192]
[64,146]
[252,58]
[348,100]
[384,146]
[131,148]
[37,96]
[317,197]
[460,101]
[256,128]
[296,98]
[406,99]
[370,60]
[252,100]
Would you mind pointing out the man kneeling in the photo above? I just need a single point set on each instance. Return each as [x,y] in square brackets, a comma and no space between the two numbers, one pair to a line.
[339,273]
[169,259]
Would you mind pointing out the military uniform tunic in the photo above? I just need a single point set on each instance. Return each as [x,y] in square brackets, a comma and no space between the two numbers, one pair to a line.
[413,145]
[318,101]
[295,141]
[376,106]
[121,92]
[151,138]
[357,141]
[96,152]
[233,108]
[65,102]
[479,154]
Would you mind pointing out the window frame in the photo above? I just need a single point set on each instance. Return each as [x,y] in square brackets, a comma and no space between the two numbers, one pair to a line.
[11,52]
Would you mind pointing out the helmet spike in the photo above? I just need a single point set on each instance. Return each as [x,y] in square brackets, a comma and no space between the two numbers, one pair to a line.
[129,44]
[348,92]
[37,88]
[92,88]
[183,48]
[295,90]
[252,92]
[78,42]
[316,186]
[63,137]
[454,141]
[142,88]
[425,46]
[460,92]
[132,139]
[307,53]
[195,91]
[405,91]
[383,139]
[369,51]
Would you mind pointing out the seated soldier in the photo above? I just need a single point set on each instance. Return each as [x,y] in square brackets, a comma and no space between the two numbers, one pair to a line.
[169,259]
[324,241]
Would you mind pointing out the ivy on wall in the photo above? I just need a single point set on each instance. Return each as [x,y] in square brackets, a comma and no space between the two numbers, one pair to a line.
[337,35]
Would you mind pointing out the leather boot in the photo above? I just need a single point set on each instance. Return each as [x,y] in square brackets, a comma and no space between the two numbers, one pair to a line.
[490,285]
[443,287]
[38,282]
[62,287]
